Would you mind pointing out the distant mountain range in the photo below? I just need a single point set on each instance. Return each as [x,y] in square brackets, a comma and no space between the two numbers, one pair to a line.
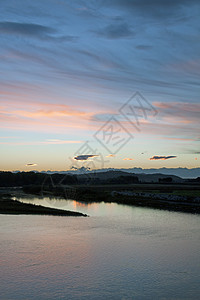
[114,174]
[180,172]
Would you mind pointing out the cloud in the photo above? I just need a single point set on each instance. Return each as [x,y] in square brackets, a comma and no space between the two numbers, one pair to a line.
[99,60]
[154,3]
[89,72]
[143,47]
[73,168]
[111,155]
[28,29]
[173,112]
[162,157]
[81,169]
[35,143]
[154,8]
[128,158]
[35,31]
[115,31]
[30,165]
[84,157]
[61,110]
[181,139]
[40,116]
[60,142]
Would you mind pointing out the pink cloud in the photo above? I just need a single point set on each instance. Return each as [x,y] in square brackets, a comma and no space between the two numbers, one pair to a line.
[53,142]
[43,116]
[37,110]
[189,66]
[178,107]
[182,139]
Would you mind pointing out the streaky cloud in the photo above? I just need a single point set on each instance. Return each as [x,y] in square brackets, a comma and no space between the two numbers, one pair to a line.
[155,8]
[25,29]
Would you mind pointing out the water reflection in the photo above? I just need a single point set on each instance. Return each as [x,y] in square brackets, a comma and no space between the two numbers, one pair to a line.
[84,207]
[120,252]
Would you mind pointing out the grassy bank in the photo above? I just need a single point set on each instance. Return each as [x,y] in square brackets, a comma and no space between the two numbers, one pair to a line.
[8,206]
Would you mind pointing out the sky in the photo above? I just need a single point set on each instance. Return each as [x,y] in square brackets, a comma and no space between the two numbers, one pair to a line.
[99,84]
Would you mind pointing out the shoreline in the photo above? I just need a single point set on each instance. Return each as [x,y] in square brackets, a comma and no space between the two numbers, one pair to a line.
[15,207]
[147,195]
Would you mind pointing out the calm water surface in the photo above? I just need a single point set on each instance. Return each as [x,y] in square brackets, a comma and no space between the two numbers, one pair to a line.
[119,252]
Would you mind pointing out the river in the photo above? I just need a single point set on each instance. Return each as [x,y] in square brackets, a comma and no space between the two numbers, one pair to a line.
[119,252]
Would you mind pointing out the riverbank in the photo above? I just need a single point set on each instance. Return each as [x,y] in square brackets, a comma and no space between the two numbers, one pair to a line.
[14,207]
[172,197]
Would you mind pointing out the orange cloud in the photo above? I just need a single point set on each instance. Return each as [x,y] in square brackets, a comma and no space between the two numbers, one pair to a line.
[56,112]
[43,117]
[111,155]
[128,158]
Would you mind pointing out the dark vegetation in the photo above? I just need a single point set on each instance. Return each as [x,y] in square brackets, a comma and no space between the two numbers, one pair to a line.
[97,187]
[105,193]
[9,179]
[165,180]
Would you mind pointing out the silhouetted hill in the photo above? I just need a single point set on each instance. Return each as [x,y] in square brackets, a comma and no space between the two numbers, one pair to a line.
[10,179]
[181,172]
[109,176]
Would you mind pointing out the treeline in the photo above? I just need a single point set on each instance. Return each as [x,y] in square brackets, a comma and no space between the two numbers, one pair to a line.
[9,179]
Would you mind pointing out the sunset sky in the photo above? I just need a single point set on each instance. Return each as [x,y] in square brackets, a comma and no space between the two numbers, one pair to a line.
[73,72]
